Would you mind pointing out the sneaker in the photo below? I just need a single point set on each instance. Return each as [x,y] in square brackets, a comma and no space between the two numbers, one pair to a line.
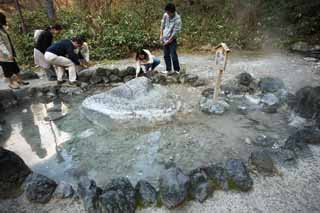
[171,73]
[75,83]
[178,72]
[13,86]
[23,83]
[164,72]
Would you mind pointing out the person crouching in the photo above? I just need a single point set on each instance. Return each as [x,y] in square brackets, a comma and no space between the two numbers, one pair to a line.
[145,58]
[62,55]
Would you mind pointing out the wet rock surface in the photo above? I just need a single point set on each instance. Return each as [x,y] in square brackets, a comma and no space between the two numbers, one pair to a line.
[89,194]
[263,162]
[308,103]
[209,106]
[200,187]
[270,84]
[118,196]
[138,102]
[238,175]
[39,189]
[217,176]
[64,190]
[146,194]
[174,186]
[13,172]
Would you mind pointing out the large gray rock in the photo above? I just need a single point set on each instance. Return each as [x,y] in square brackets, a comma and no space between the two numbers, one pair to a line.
[308,103]
[271,85]
[118,196]
[136,103]
[146,194]
[208,105]
[39,189]
[200,186]
[245,79]
[270,103]
[174,187]
[238,175]
[89,194]
[13,172]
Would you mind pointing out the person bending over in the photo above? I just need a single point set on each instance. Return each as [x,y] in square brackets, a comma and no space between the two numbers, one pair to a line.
[43,40]
[147,60]
[62,55]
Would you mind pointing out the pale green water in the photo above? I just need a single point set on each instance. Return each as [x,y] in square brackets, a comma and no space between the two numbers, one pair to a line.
[72,146]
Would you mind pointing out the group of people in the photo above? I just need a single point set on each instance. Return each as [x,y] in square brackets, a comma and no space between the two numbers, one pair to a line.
[70,54]
[169,31]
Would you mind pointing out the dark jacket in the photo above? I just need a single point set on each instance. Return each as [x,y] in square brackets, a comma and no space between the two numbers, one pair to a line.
[64,48]
[44,41]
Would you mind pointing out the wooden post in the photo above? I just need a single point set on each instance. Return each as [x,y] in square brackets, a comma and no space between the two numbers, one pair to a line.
[24,27]
[222,53]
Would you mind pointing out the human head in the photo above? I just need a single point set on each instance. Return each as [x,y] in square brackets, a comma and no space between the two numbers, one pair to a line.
[3,19]
[56,28]
[77,41]
[170,9]
[141,55]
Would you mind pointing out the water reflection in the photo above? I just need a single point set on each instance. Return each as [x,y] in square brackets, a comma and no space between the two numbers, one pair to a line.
[35,136]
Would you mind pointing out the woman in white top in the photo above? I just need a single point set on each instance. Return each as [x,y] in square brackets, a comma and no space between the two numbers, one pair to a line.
[145,58]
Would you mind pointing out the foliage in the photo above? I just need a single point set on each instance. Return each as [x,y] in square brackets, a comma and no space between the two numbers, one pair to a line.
[120,27]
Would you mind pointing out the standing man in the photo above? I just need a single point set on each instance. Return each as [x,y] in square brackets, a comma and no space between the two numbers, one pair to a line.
[170,29]
[43,40]
[7,57]
[62,54]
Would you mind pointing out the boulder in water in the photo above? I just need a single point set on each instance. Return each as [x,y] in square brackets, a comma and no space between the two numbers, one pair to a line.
[39,189]
[136,103]
[208,105]
[118,196]
[271,85]
[13,172]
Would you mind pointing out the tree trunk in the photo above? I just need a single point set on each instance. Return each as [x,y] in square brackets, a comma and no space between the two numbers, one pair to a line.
[50,9]
[23,24]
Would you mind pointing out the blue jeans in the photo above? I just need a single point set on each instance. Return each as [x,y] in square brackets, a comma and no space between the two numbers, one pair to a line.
[170,53]
[156,62]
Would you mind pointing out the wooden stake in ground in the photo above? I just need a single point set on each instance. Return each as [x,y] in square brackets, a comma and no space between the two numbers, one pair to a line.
[222,54]
[23,23]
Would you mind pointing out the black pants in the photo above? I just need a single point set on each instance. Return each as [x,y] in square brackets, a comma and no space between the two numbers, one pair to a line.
[170,53]
[9,68]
